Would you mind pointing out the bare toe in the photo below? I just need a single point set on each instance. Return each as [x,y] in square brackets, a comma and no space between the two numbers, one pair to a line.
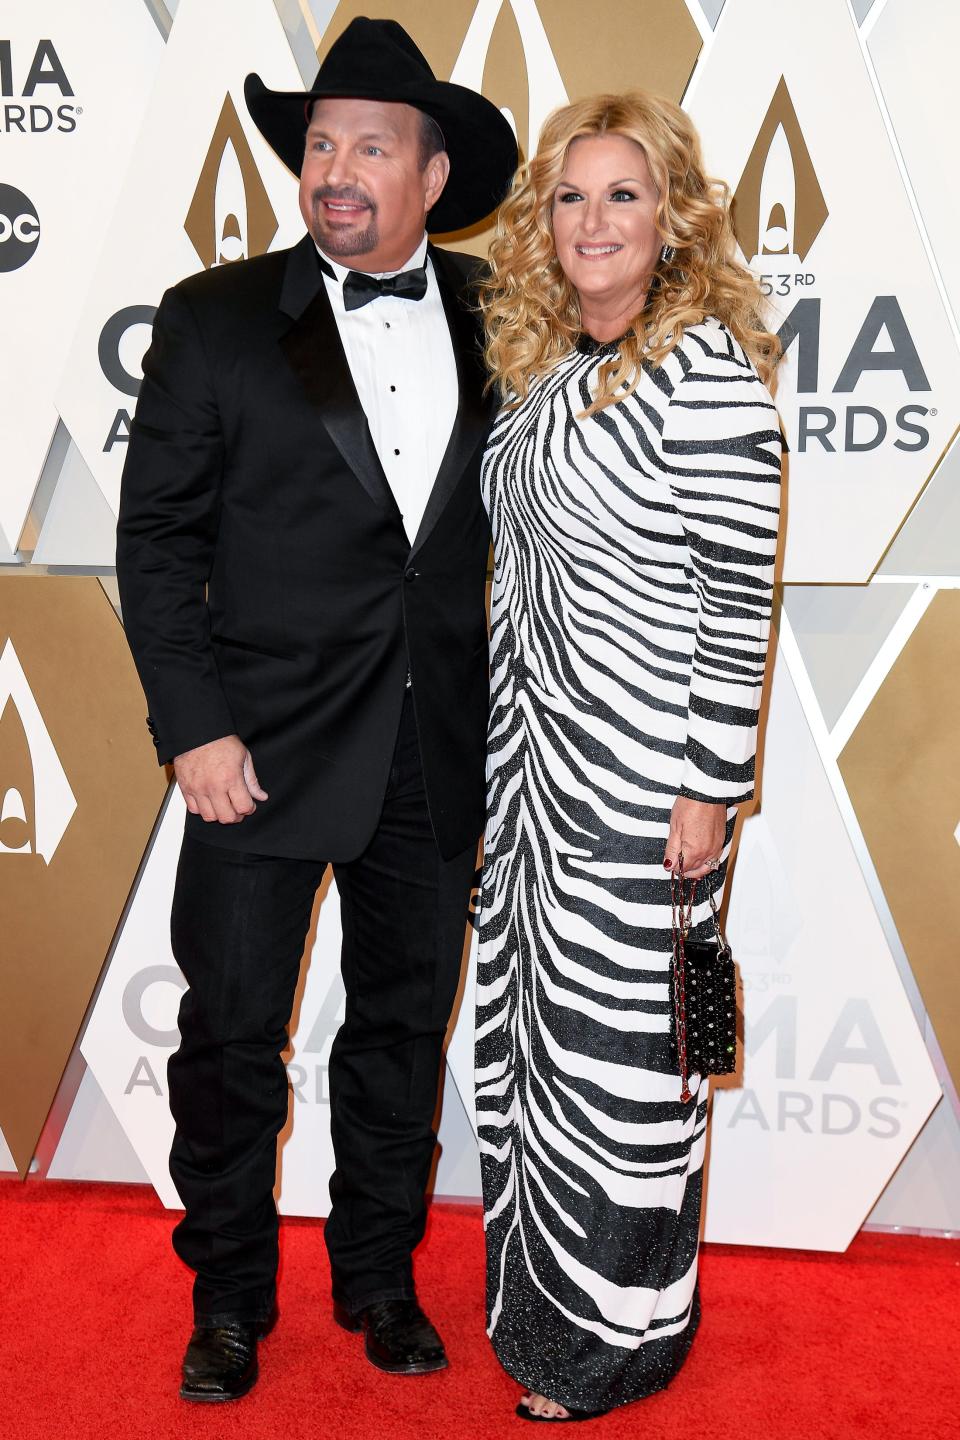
[541,1405]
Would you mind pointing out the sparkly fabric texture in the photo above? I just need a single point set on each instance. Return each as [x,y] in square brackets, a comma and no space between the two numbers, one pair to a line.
[631,602]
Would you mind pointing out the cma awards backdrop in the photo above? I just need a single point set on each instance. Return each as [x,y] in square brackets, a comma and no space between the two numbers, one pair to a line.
[125,166]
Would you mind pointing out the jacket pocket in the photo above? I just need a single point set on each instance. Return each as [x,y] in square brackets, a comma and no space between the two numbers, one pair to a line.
[231,644]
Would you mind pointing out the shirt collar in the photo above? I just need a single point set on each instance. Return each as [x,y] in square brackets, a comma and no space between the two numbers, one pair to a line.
[418,258]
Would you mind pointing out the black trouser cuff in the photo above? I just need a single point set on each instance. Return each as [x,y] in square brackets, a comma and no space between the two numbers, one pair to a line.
[354,1304]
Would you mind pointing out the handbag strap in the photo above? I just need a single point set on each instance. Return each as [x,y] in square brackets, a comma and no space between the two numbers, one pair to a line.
[681,902]
[717,927]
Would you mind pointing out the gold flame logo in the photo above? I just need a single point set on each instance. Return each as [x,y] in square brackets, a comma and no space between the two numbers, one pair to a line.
[230,216]
[779,208]
[18,831]
[36,801]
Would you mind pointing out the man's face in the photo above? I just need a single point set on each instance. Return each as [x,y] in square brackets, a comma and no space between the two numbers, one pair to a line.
[363,195]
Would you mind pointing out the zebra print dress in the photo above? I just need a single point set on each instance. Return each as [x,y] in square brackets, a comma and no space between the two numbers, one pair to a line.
[634,558]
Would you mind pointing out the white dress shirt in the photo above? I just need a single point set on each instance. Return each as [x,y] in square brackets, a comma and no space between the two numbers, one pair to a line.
[401,358]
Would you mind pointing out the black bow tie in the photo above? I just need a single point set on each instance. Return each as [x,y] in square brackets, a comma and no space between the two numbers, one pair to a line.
[359,289]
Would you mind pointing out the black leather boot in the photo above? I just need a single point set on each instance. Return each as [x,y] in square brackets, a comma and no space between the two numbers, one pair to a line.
[221,1360]
[398,1337]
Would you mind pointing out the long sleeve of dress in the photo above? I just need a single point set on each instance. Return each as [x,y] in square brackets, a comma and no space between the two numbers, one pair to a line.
[721,449]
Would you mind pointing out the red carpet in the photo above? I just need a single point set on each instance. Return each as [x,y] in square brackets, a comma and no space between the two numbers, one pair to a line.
[793,1346]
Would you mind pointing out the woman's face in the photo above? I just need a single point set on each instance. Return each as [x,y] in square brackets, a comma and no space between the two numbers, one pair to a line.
[603,223]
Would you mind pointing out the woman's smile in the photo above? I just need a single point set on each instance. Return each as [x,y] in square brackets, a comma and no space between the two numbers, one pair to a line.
[597,252]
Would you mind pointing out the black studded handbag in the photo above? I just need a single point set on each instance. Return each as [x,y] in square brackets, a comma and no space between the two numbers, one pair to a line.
[703,991]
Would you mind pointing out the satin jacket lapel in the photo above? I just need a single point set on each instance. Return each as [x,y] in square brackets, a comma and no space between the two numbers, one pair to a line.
[472,423]
[314,351]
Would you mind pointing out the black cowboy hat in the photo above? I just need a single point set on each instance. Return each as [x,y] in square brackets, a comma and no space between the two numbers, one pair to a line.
[377,60]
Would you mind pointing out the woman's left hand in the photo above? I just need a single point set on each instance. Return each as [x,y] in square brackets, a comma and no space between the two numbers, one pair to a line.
[698,829]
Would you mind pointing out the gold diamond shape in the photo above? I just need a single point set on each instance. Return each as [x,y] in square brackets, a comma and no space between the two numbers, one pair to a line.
[230,215]
[780,153]
[60,909]
[901,773]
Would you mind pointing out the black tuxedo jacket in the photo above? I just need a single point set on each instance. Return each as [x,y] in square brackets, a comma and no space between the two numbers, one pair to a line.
[267,584]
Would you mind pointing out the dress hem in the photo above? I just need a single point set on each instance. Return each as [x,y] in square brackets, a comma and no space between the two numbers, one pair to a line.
[578,1402]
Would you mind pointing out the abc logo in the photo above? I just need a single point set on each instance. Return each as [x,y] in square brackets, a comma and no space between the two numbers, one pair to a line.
[19,228]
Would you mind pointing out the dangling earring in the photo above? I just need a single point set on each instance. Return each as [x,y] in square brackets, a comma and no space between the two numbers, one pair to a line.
[667,254]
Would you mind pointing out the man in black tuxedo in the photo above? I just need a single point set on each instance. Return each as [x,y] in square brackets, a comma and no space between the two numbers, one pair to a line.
[301,556]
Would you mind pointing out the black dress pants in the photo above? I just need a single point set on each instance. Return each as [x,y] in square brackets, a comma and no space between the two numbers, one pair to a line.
[239,925]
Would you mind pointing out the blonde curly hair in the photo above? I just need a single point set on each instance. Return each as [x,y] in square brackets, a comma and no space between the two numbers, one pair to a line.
[531,311]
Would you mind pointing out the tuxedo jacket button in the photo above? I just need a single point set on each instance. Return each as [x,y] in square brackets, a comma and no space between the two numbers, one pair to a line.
[411,574]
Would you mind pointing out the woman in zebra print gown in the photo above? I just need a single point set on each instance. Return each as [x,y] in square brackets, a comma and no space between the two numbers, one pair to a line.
[632,484]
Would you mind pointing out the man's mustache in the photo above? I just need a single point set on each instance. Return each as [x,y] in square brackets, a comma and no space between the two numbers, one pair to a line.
[346,193]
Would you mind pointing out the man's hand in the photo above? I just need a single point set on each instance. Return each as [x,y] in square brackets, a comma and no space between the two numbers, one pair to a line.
[698,829]
[218,780]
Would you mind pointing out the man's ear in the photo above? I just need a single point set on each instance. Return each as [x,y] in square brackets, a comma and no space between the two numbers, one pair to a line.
[437,174]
